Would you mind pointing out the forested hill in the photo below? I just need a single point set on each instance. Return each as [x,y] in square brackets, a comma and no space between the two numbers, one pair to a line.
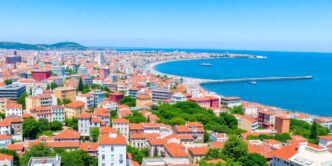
[56,46]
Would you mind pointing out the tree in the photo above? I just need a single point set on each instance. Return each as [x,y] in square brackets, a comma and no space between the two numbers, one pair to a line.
[94,133]
[131,102]
[77,158]
[80,85]
[59,102]
[8,81]
[21,99]
[38,150]
[30,128]
[12,153]
[114,114]
[55,125]
[206,137]
[53,85]
[136,117]
[42,125]
[237,110]
[253,159]
[314,132]
[66,101]
[235,148]
[137,154]
[213,154]
[73,123]
[2,115]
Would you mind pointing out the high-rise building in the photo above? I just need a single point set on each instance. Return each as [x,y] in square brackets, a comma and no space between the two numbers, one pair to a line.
[100,59]
[12,91]
[40,75]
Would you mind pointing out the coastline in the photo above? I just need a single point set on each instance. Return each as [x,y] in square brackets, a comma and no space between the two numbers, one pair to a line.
[196,82]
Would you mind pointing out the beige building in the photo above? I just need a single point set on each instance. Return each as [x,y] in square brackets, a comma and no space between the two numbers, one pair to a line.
[65,93]
[3,103]
[42,100]
[143,101]
[246,122]
[74,109]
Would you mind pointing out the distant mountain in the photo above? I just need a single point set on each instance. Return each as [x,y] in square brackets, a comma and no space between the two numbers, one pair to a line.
[56,46]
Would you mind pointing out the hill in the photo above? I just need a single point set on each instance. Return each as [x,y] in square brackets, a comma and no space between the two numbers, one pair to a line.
[56,46]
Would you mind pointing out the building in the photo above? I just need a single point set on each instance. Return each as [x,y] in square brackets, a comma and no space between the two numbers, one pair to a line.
[13,59]
[86,121]
[5,140]
[281,124]
[12,91]
[218,137]
[246,122]
[179,97]
[41,100]
[197,131]
[206,101]
[74,109]
[58,113]
[112,150]
[42,113]
[133,92]
[302,154]
[143,101]
[230,101]
[59,70]
[13,109]
[6,160]
[65,93]
[161,94]
[116,97]
[104,72]
[90,147]
[122,126]
[16,125]
[197,153]
[326,141]
[5,127]
[98,97]
[266,119]
[88,99]
[87,80]
[325,121]
[40,75]
[100,59]
[45,161]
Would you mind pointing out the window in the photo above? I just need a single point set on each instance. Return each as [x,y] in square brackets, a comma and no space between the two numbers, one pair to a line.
[103,157]
[121,159]
[112,148]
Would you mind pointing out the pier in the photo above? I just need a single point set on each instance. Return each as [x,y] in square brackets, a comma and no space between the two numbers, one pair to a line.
[208,81]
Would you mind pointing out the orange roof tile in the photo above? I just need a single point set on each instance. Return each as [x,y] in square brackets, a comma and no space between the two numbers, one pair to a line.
[120,120]
[285,152]
[176,150]
[15,147]
[13,106]
[68,133]
[107,140]
[217,145]
[63,144]
[75,104]
[5,157]
[89,146]
[107,130]
[198,151]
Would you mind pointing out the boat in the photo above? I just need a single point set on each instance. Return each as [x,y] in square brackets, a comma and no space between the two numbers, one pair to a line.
[253,82]
[206,64]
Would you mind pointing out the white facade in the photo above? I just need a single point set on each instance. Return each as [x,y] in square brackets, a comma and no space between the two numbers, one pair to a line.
[87,99]
[112,150]
[84,126]
[14,111]
[122,128]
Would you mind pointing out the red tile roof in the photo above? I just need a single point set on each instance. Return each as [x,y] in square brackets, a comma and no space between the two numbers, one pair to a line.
[68,134]
[198,151]
[107,130]
[107,140]
[63,144]
[285,152]
[5,157]
[120,120]
[15,147]
[89,146]
[13,106]
[75,104]
[176,150]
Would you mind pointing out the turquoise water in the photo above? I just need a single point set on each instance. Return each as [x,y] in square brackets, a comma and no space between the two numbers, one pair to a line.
[311,96]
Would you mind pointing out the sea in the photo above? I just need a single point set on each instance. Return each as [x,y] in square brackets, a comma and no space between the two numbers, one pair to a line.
[312,96]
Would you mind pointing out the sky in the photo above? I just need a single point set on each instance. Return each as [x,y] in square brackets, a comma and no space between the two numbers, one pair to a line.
[283,25]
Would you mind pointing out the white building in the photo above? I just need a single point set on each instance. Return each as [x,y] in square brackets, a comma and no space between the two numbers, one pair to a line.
[88,99]
[230,101]
[86,121]
[218,137]
[112,150]
[5,127]
[122,126]
[14,109]
[5,140]
[302,154]
[179,97]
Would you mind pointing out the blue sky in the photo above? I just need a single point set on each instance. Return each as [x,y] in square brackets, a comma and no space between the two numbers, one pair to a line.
[296,25]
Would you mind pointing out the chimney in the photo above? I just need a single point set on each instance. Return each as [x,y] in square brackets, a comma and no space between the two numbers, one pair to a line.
[301,146]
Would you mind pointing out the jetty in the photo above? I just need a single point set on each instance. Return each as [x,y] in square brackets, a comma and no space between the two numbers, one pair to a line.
[200,81]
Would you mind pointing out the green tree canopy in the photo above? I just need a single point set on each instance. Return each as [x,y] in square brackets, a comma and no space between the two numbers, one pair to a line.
[94,133]
[253,159]
[38,150]
[21,99]
[8,81]
[235,148]
[30,128]
[131,102]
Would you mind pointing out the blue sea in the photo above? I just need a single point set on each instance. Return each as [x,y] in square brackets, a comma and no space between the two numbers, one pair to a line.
[311,96]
